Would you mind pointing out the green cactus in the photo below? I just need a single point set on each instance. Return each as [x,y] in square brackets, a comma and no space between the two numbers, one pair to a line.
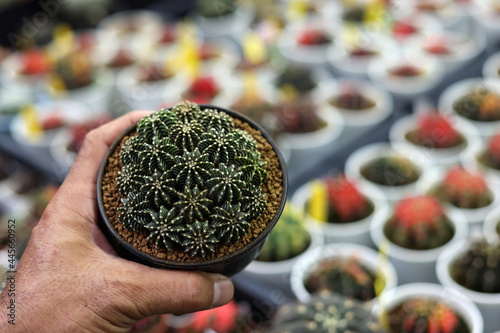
[289,237]
[480,104]
[190,179]
[345,276]
[419,223]
[478,268]
[215,8]
[425,315]
[390,171]
[323,314]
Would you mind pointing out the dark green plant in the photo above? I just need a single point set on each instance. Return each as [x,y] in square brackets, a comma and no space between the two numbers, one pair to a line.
[289,237]
[323,314]
[298,77]
[345,276]
[190,179]
[390,171]
[215,8]
[479,267]
[418,315]
[481,105]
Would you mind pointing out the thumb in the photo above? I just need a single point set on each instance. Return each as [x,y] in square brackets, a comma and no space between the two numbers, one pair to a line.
[162,291]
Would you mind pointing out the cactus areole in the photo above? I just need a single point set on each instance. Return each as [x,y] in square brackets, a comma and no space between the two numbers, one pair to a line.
[189,186]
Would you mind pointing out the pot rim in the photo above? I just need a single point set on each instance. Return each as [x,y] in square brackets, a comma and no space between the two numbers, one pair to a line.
[164,263]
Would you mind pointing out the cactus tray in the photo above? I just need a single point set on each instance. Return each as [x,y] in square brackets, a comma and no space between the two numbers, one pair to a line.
[157,209]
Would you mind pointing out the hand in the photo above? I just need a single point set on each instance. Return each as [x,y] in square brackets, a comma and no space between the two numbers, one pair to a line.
[69,278]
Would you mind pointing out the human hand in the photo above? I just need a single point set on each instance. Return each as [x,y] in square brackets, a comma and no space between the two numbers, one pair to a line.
[70,279]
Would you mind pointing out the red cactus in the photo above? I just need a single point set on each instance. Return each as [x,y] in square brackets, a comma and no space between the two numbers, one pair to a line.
[435,130]
[493,149]
[344,198]
[403,29]
[34,62]
[464,189]
[418,210]
[153,72]
[122,58]
[405,70]
[313,37]
[202,90]
[437,45]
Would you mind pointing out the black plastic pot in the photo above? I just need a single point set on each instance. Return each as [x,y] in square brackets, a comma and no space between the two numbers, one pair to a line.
[228,265]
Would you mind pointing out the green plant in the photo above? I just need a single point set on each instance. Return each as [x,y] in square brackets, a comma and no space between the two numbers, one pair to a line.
[351,98]
[463,189]
[345,276]
[298,115]
[390,171]
[325,313]
[298,77]
[479,267]
[215,8]
[190,179]
[434,131]
[419,223]
[481,104]
[346,203]
[73,71]
[425,315]
[491,156]
[289,237]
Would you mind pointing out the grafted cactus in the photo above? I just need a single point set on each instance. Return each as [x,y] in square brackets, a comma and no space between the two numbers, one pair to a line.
[464,189]
[419,223]
[425,315]
[391,171]
[481,104]
[478,268]
[491,157]
[325,313]
[435,131]
[190,179]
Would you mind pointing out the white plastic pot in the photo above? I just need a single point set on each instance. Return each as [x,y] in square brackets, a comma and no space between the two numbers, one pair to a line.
[491,67]
[470,161]
[491,222]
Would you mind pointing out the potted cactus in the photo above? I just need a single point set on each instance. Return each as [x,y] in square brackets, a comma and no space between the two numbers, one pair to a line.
[341,207]
[325,313]
[484,157]
[380,165]
[436,138]
[491,226]
[355,271]
[467,191]
[475,100]
[473,270]
[417,230]
[191,187]
[427,307]
[291,239]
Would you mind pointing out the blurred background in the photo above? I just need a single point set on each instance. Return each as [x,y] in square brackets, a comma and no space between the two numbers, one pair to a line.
[370,101]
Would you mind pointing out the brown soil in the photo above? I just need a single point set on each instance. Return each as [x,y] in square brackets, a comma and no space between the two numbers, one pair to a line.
[271,187]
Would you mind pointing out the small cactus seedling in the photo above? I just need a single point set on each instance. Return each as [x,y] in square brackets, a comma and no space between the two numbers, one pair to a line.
[434,131]
[289,237]
[298,115]
[350,98]
[202,90]
[346,203]
[215,8]
[425,315]
[405,70]
[478,268]
[419,223]
[355,14]
[463,189]
[323,314]
[72,71]
[345,276]
[151,72]
[190,179]
[313,37]
[34,62]
[298,77]
[390,171]
[491,156]
[481,105]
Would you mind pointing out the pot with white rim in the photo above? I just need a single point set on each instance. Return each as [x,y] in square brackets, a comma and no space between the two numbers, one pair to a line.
[398,136]
[356,232]
[474,216]
[415,265]
[366,155]
[381,269]
[491,226]
[491,67]
[488,303]
[472,161]
[451,297]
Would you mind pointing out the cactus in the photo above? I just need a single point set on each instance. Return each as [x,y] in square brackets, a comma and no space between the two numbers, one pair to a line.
[463,189]
[478,268]
[298,77]
[405,70]
[325,313]
[202,90]
[215,8]
[481,105]
[425,315]
[151,72]
[354,14]
[345,276]
[419,223]
[298,115]
[34,62]
[491,157]
[190,179]
[73,71]
[390,171]
[289,237]
[346,203]
[313,37]
[434,131]
[351,98]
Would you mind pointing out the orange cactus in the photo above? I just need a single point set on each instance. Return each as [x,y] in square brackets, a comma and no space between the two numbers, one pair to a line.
[418,313]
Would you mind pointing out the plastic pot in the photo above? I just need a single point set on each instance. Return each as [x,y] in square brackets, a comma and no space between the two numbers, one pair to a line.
[229,264]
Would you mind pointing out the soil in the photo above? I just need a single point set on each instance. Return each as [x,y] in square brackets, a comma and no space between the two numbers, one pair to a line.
[272,187]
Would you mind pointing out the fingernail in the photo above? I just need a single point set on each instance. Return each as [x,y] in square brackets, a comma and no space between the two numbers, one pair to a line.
[223,290]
